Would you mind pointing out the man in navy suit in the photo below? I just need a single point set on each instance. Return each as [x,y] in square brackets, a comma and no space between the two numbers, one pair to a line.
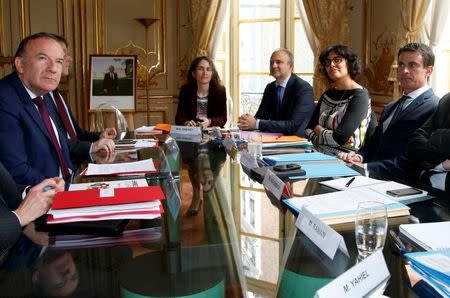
[31,146]
[429,148]
[110,82]
[287,104]
[384,154]
[16,212]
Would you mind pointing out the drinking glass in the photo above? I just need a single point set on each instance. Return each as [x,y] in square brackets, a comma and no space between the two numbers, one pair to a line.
[370,227]
[255,144]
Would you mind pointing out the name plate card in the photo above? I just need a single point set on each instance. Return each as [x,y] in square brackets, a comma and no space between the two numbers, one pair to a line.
[274,184]
[230,147]
[360,280]
[248,161]
[327,239]
[186,133]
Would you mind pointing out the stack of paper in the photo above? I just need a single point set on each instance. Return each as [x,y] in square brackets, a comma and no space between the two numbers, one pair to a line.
[341,206]
[427,236]
[379,186]
[135,144]
[434,267]
[124,199]
[85,241]
[147,130]
[126,168]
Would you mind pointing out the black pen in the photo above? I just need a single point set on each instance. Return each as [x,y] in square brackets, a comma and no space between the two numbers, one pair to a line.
[397,242]
[350,182]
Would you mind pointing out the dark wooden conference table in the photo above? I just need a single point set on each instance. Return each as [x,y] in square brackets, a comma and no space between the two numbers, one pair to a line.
[242,242]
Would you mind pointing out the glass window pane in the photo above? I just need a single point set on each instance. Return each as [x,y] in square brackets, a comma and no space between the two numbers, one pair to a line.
[256,43]
[304,58]
[259,9]
[251,92]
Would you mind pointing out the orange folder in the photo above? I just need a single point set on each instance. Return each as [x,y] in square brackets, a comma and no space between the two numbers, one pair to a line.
[281,139]
[164,127]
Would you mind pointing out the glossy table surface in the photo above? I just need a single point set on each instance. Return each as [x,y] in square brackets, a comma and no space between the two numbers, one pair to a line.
[241,243]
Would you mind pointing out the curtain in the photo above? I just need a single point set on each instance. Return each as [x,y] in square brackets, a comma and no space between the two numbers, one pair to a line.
[330,25]
[412,19]
[436,20]
[207,18]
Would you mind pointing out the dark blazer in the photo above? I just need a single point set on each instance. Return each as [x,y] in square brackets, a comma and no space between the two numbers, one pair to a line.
[384,153]
[26,148]
[430,144]
[80,148]
[187,105]
[297,108]
[110,84]
[10,199]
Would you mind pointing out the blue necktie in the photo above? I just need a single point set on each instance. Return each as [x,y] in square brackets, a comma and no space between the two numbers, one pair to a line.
[400,104]
[278,90]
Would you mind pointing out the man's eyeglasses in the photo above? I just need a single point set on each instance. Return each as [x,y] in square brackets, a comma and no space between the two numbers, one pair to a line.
[336,60]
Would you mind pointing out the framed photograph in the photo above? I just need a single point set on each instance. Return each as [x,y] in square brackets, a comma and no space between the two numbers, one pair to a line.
[112,81]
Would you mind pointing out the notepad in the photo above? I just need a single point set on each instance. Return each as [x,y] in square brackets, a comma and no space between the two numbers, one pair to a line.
[428,236]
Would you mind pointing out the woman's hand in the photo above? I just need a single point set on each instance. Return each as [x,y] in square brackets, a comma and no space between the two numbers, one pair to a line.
[204,122]
[190,123]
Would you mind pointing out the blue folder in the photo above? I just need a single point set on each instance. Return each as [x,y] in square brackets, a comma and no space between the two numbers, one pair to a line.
[297,157]
[326,170]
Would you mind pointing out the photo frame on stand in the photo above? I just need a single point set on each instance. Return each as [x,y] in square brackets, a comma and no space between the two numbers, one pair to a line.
[112,82]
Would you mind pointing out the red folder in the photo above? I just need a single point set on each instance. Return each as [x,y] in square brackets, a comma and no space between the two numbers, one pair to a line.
[91,197]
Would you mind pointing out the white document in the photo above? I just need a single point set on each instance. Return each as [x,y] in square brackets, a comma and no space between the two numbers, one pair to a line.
[327,239]
[109,184]
[379,186]
[429,236]
[274,184]
[142,166]
[360,280]
[108,217]
[359,181]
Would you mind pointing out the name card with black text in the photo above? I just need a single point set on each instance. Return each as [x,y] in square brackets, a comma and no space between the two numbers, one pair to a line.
[274,184]
[362,279]
[248,161]
[327,239]
[186,133]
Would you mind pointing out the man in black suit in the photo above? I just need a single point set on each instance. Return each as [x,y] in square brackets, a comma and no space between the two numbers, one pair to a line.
[287,104]
[17,212]
[429,147]
[81,142]
[384,154]
[110,82]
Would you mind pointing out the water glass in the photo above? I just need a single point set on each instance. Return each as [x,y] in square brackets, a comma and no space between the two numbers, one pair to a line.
[370,227]
[255,144]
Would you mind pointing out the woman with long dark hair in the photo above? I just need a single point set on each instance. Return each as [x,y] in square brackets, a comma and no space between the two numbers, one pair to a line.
[203,98]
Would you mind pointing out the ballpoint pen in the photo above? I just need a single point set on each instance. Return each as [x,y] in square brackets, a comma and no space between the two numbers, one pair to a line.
[350,182]
[401,247]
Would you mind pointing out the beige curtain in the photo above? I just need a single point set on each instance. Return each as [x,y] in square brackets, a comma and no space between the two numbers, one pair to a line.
[412,14]
[206,25]
[330,25]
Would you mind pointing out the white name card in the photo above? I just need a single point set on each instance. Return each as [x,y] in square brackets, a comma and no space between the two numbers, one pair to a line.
[186,133]
[360,280]
[327,239]
[274,184]
[248,161]
[228,143]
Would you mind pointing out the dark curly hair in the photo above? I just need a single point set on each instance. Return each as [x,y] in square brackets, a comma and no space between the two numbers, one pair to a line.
[352,60]
[215,80]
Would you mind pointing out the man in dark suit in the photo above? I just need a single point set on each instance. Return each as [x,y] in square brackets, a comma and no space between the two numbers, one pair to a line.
[110,82]
[429,147]
[287,104]
[31,147]
[16,212]
[384,154]
[81,142]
